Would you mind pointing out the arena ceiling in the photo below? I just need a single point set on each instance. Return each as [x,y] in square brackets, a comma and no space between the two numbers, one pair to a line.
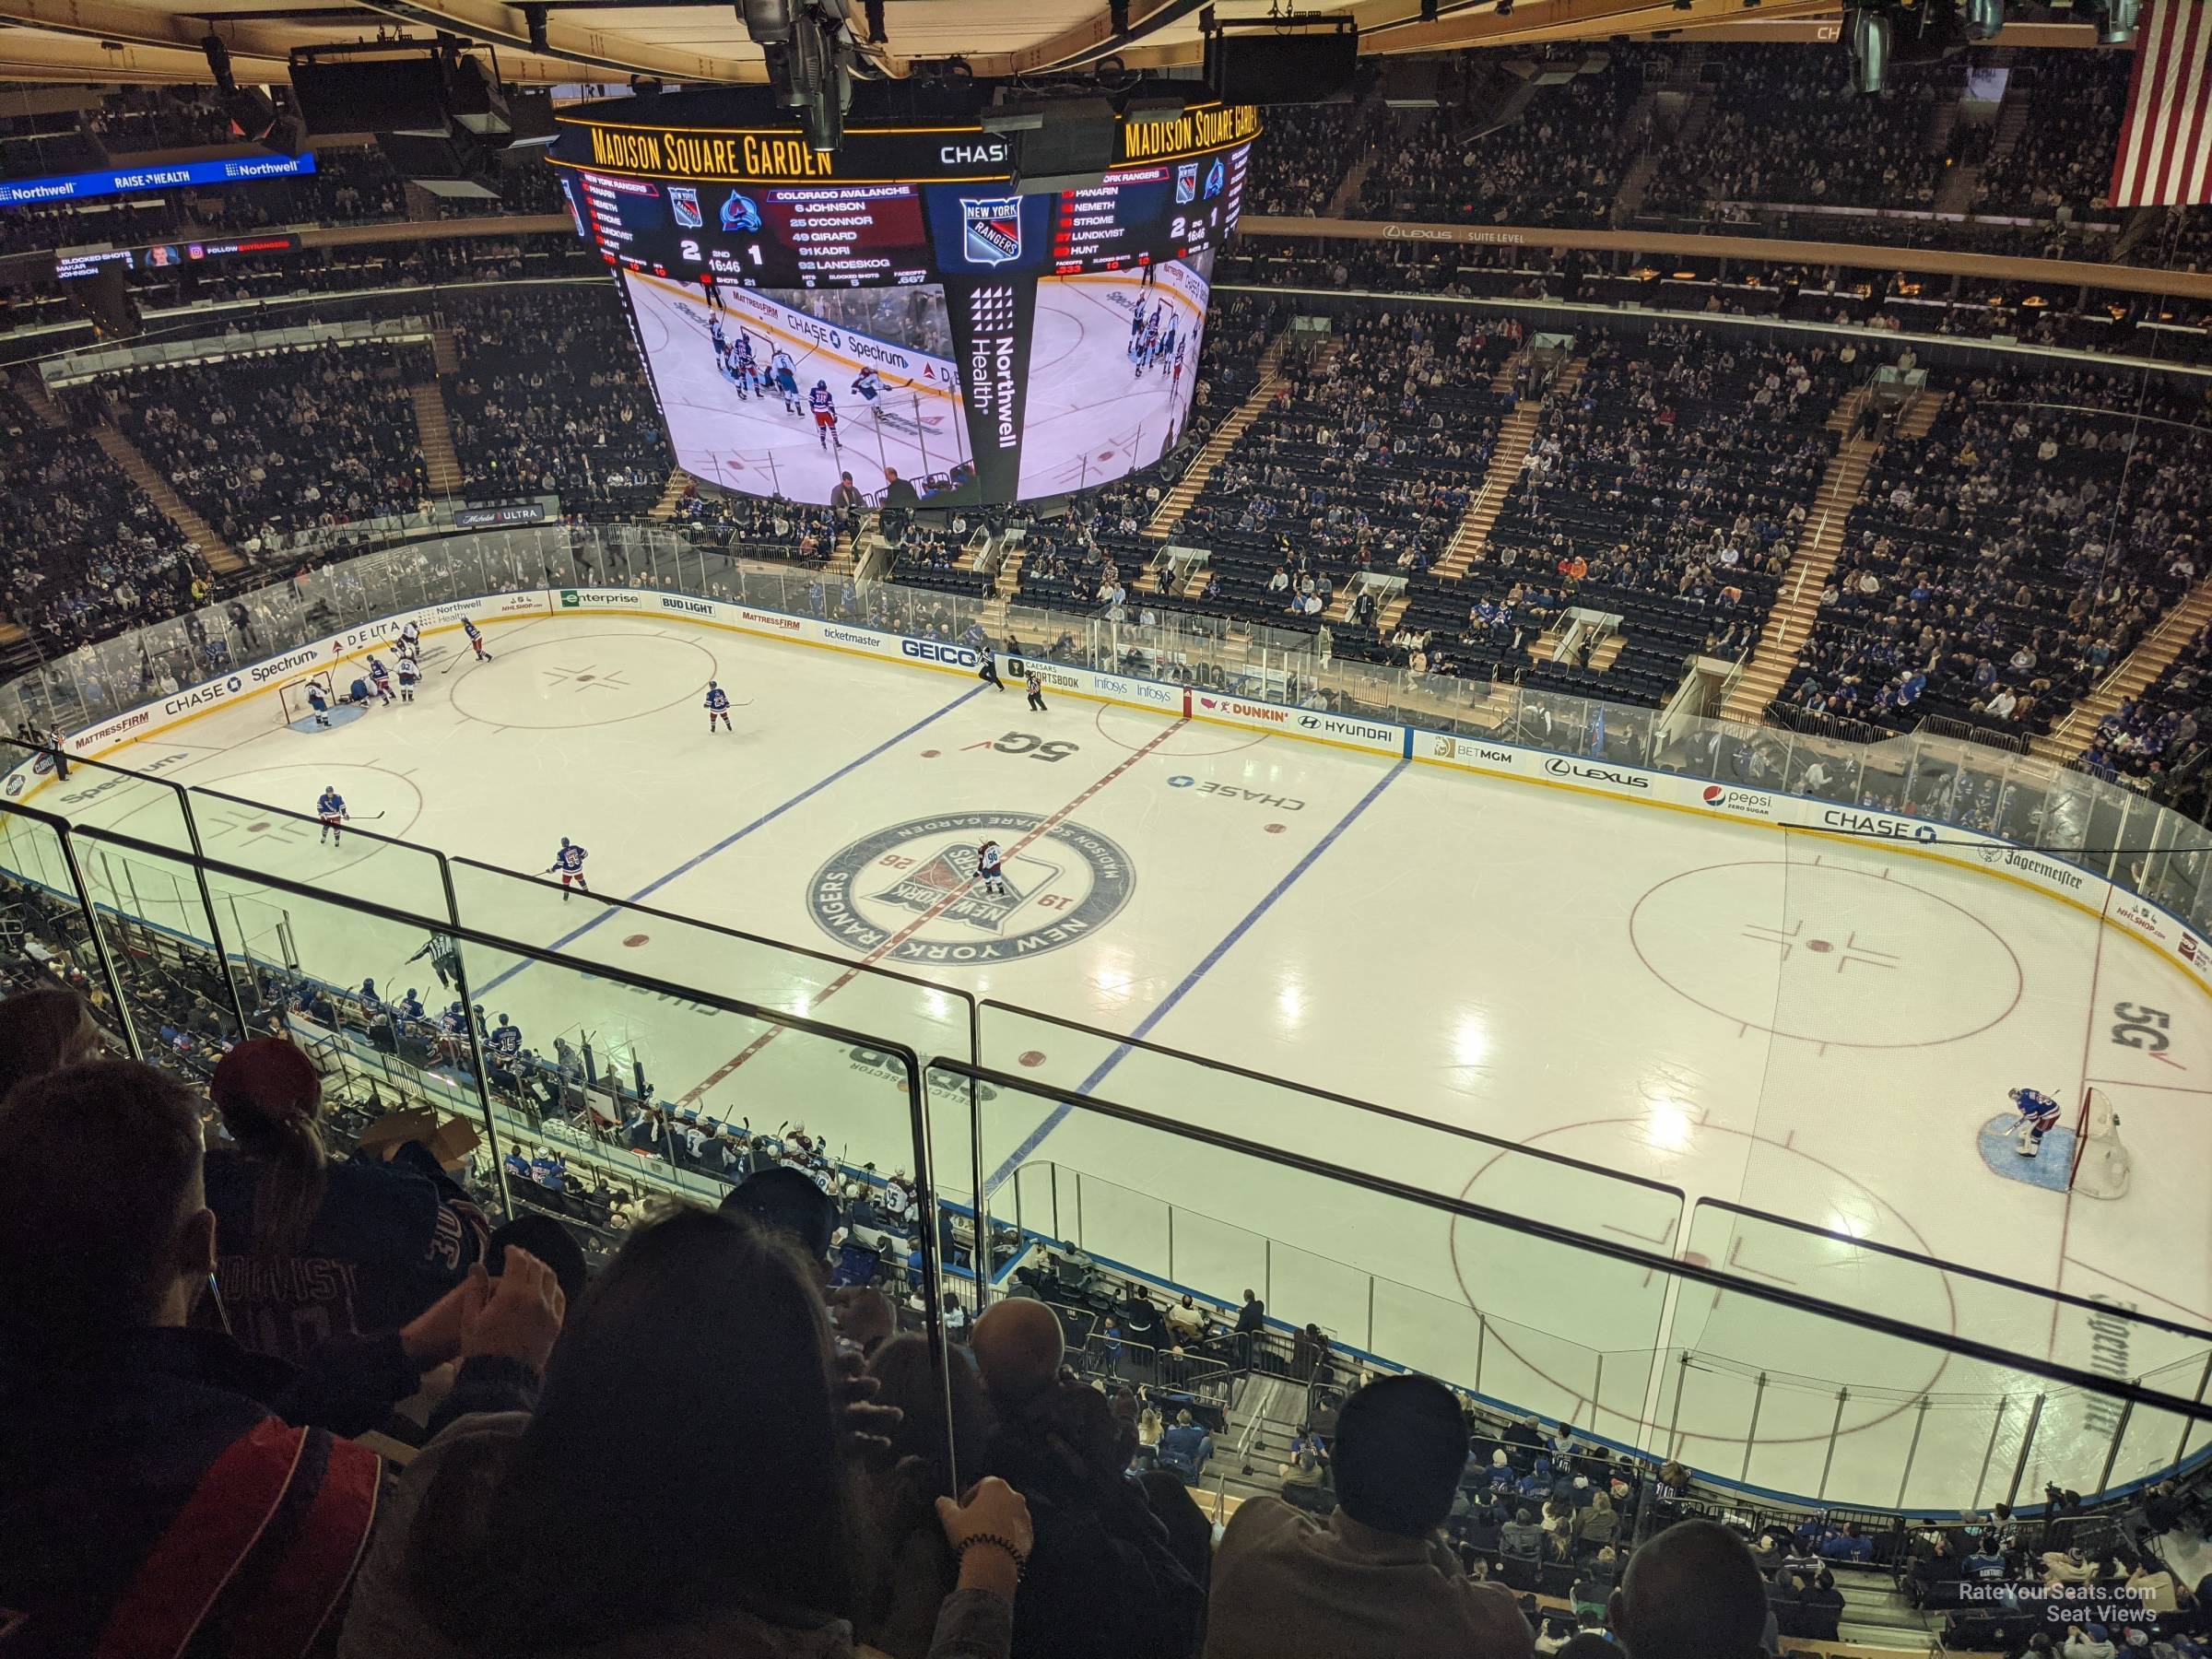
[132,41]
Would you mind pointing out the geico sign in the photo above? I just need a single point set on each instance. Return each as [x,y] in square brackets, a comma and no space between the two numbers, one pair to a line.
[1875,824]
[933,651]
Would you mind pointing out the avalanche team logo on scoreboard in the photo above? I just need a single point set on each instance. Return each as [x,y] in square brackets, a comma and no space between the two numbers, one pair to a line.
[991,230]
[684,199]
[1215,176]
[909,893]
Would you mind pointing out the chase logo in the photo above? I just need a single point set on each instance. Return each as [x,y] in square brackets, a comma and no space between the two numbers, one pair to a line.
[908,893]
[683,201]
[991,230]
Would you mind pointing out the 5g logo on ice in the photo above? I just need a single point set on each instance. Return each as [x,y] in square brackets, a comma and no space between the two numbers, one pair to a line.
[2136,1027]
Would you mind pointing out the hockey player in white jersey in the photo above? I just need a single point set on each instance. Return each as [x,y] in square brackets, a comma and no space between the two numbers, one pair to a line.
[409,671]
[786,375]
[990,867]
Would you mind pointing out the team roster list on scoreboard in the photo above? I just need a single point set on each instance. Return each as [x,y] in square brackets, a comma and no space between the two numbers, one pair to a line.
[1177,210]
[858,234]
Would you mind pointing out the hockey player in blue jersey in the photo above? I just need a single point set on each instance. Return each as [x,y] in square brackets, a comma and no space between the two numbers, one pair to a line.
[569,864]
[825,414]
[409,671]
[330,806]
[718,706]
[505,1041]
[990,867]
[2039,1115]
[380,676]
[476,637]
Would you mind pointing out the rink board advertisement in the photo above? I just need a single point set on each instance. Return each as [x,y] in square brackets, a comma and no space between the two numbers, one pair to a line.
[2135,916]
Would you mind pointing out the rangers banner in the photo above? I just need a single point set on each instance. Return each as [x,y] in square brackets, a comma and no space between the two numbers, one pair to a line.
[2165,157]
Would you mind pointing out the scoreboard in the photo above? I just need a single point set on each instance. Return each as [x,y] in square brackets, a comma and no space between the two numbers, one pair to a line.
[900,315]
[892,206]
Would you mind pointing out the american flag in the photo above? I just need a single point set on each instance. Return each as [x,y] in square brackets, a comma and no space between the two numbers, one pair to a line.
[2165,157]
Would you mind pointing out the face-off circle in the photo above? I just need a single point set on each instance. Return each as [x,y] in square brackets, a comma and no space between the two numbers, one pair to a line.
[910,893]
[1826,954]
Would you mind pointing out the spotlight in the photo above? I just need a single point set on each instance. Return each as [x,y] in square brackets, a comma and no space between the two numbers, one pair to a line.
[1984,19]
[2117,23]
[1870,38]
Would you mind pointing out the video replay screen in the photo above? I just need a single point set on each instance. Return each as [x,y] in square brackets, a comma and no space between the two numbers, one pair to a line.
[897,311]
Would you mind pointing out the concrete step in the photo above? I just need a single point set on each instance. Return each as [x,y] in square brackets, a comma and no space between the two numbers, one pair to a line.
[135,466]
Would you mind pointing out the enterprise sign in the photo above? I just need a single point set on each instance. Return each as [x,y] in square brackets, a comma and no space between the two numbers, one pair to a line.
[84,187]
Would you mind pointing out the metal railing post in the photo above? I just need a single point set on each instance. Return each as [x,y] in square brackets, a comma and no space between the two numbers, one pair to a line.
[2112,1455]
[475,1044]
[100,946]
[1990,1450]
[2019,1467]
[2189,1424]
[1482,1341]
[1759,1398]
[1920,1421]
[1834,1429]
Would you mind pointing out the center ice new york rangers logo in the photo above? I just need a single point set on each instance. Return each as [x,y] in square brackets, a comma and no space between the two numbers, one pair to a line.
[909,892]
[991,230]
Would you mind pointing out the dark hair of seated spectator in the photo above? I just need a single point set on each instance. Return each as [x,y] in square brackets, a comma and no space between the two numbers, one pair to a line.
[917,1568]
[570,1528]
[1693,1592]
[99,1169]
[41,1032]
[1399,1449]
[270,1097]
[788,1200]
[1190,1533]
[1587,1645]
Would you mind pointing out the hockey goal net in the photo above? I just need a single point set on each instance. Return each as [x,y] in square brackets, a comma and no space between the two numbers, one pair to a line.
[293,695]
[2101,1164]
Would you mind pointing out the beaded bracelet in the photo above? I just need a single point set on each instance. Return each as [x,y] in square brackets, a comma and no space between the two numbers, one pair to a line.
[1022,1561]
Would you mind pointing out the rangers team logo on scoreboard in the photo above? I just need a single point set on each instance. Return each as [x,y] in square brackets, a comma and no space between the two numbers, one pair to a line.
[911,892]
[991,228]
[684,200]
[1186,181]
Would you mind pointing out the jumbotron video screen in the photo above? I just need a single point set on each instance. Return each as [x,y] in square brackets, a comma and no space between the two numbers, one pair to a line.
[899,309]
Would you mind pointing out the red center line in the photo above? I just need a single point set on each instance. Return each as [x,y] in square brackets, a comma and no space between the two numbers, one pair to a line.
[927,917]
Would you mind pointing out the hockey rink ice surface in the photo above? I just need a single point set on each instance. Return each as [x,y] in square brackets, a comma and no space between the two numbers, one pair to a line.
[1697,1011]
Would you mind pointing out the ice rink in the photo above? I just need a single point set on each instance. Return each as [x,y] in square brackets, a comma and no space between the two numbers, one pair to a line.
[1690,1010]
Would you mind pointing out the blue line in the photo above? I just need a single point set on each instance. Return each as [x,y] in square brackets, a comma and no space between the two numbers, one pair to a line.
[1027,1148]
[726,842]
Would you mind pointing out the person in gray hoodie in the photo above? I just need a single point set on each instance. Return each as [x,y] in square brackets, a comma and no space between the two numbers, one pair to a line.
[681,1491]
